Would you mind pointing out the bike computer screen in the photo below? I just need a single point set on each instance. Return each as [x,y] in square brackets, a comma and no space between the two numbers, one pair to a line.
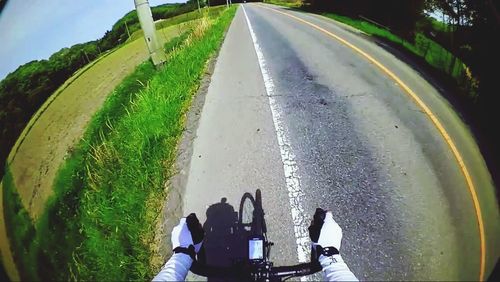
[256,248]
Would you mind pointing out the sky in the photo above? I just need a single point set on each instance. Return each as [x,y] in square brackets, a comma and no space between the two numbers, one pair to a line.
[35,29]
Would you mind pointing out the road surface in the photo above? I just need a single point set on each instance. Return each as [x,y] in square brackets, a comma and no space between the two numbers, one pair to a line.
[296,113]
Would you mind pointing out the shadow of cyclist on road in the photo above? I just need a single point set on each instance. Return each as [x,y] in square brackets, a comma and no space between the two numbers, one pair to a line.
[225,243]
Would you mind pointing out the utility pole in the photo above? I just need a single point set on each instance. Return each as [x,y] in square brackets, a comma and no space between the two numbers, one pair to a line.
[86,56]
[148,26]
[128,32]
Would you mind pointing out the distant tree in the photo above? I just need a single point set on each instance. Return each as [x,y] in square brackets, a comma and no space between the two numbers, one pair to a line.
[399,16]
[475,38]
[484,55]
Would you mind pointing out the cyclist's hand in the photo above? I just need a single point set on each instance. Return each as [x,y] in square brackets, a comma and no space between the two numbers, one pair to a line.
[325,233]
[187,236]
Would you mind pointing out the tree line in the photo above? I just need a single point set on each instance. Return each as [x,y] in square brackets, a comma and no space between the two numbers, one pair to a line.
[23,91]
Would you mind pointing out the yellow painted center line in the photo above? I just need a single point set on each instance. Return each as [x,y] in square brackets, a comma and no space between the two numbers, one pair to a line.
[432,117]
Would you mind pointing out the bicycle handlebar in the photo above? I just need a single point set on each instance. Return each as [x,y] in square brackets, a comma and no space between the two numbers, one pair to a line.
[271,272]
[302,269]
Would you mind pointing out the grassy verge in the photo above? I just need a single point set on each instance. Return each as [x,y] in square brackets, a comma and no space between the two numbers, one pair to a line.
[20,228]
[129,167]
[423,47]
[212,12]
[40,254]
[286,3]
[99,225]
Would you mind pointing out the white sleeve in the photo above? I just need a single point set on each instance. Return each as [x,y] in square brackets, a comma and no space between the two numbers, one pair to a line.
[176,268]
[335,269]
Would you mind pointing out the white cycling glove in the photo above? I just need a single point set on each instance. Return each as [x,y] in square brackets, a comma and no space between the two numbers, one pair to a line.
[187,236]
[325,233]
[326,236]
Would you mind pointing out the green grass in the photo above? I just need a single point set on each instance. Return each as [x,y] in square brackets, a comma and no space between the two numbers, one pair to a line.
[42,254]
[372,29]
[286,3]
[99,225]
[212,12]
[175,42]
[129,167]
[433,53]
[20,228]
[62,217]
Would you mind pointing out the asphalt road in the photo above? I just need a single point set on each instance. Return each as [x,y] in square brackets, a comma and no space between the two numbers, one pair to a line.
[313,124]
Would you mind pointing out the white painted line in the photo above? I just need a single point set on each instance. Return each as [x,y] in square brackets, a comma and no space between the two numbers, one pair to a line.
[290,168]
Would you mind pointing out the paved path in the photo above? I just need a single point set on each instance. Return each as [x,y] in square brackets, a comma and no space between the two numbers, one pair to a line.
[310,122]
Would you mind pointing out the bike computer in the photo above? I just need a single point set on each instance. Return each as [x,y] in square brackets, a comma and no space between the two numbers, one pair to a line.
[256,248]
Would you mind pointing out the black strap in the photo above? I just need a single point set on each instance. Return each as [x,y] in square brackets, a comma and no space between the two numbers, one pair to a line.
[188,251]
[328,251]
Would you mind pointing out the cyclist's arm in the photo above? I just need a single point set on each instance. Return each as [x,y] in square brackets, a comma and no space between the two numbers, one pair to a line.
[187,238]
[335,269]
[176,268]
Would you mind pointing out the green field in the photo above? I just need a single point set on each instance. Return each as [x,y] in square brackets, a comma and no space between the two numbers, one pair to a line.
[53,131]
[58,125]
[99,223]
